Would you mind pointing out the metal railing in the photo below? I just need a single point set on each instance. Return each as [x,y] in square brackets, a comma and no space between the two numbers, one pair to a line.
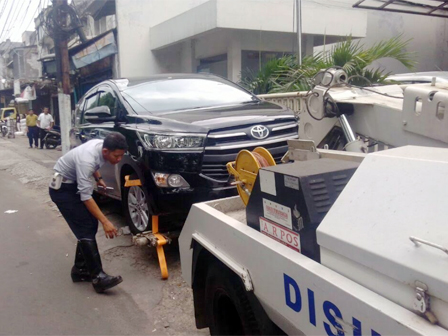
[309,129]
[292,100]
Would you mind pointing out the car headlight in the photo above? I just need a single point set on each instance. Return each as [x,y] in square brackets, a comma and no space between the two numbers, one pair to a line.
[170,180]
[171,141]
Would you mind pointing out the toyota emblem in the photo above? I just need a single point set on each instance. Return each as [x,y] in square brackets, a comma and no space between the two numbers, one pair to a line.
[259,132]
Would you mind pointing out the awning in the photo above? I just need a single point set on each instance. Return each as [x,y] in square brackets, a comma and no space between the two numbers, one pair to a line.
[437,8]
[98,50]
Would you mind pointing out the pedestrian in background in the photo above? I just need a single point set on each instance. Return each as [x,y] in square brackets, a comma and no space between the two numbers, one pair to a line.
[31,128]
[45,122]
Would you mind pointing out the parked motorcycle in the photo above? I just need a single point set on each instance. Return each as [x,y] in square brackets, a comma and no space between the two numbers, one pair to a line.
[3,128]
[53,138]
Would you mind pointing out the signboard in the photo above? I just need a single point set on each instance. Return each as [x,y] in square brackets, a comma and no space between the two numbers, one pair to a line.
[278,213]
[282,235]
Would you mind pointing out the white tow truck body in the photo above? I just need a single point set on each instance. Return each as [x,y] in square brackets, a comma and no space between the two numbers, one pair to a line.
[391,115]
[372,279]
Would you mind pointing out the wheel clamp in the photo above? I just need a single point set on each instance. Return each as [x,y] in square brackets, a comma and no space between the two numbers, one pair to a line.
[153,238]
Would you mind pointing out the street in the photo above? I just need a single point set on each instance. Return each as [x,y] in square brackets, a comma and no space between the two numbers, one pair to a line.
[37,253]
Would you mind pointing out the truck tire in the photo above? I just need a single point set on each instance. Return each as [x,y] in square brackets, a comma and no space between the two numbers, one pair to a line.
[228,309]
[136,209]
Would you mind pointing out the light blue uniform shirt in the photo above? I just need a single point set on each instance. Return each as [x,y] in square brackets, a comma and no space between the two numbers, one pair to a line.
[80,163]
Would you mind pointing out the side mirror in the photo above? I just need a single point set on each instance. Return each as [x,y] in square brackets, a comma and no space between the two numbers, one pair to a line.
[98,114]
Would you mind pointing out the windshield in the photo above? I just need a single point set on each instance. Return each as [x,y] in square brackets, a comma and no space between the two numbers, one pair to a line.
[7,113]
[184,94]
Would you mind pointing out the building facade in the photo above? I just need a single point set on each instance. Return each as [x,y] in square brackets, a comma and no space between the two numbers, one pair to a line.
[19,68]
[227,36]
[222,36]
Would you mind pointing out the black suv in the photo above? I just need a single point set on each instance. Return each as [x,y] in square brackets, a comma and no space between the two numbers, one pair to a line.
[181,130]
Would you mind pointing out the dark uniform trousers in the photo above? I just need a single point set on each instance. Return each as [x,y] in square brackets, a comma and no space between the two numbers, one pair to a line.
[33,134]
[83,224]
[42,134]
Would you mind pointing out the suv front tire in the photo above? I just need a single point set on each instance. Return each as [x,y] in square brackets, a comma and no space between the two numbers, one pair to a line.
[136,208]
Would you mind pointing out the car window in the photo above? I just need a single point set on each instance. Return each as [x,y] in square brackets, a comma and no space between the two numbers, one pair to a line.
[183,94]
[90,103]
[8,113]
[107,98]
[78,112]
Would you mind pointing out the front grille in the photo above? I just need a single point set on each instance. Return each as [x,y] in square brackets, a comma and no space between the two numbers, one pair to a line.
[281,128]
[223,146]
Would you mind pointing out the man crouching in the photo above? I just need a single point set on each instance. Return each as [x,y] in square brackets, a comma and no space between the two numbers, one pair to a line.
[71,189]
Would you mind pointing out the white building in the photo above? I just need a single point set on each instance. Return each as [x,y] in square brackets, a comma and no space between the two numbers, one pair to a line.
[226,36]
[222,36]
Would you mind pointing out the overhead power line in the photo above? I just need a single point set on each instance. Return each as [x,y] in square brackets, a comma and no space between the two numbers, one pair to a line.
[7,20]
[34,15]
[24,15]
[15,17]
[3,8]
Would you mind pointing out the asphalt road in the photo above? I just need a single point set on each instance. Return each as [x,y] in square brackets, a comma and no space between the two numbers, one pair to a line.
[37,252]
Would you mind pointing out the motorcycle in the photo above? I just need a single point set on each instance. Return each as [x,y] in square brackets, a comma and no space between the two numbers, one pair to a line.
[53,138]
[3,128]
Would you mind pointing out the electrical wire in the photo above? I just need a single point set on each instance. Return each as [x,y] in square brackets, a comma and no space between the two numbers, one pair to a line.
[16,15]
[3,8]
[379,93]
[359,76]
[307,98]
[9,23]
[24,15]
[34,15]
[6,21]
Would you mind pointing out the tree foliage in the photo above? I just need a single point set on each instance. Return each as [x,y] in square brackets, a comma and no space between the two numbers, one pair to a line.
[285,75]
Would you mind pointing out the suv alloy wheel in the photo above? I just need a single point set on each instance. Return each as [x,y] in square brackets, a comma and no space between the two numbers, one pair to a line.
[137,210]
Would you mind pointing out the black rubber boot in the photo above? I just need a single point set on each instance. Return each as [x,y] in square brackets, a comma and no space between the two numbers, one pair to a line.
[79,270]
[100,280]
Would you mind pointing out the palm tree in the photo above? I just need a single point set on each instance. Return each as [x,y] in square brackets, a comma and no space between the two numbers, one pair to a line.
[262,81]
[350,55]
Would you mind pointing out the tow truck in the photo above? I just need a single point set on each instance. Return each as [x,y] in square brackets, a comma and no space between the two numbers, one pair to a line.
[332,242]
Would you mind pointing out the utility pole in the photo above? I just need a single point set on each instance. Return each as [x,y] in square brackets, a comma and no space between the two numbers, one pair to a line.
[63,73]
[299,30]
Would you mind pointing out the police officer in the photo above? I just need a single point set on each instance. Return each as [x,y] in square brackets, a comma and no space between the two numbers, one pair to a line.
[71,189]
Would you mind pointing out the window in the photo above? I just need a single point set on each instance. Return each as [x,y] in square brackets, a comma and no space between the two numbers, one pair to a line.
[253,61]
[78,113]
[216,65]
[107,98]
[90,103]
[183,94]
[8,113]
